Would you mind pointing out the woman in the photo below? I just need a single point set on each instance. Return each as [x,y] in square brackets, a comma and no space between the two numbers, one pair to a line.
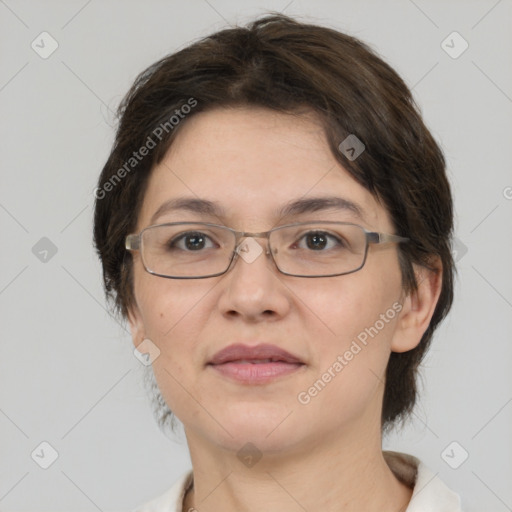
[274,221]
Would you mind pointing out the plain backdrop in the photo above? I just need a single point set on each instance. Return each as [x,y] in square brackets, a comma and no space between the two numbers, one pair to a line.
[68,376]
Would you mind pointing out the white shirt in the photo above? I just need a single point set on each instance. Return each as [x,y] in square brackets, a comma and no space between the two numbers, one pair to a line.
[430,494]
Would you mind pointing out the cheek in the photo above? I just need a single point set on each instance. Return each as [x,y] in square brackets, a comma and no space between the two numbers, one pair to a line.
[174,314]
[358,320]
[171,309]
[352,321]
[341,308]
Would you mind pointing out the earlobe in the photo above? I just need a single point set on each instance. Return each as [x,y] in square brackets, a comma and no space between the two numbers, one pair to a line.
[418,307]
[136,324]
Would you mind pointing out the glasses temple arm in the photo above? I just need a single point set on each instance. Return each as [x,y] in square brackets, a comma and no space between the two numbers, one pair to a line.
[382,238]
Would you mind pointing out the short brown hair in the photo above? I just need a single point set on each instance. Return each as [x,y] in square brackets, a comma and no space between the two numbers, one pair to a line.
[288,66]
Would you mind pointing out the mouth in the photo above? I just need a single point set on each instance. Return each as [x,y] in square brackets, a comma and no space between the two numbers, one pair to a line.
[258,364]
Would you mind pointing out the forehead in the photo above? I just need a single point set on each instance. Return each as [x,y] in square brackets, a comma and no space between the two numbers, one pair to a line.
[253,162]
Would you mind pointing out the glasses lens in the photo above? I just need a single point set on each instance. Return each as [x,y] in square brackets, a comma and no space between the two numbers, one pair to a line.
[187,249]
[321,249]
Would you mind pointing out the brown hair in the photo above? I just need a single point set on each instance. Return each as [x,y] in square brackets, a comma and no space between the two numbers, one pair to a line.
[282,64]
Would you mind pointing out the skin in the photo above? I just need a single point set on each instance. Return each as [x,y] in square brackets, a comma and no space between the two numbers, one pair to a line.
[325,455]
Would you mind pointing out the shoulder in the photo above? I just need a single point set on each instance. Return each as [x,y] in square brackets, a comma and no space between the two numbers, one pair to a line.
[171,500]
[430,493]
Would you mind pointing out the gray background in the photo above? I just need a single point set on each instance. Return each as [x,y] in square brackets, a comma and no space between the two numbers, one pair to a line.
[68,374]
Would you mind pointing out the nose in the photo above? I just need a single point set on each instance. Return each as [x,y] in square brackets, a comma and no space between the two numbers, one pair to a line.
[252,289]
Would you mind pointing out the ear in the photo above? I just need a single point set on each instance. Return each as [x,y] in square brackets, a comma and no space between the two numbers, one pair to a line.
[136,323]
[418,307]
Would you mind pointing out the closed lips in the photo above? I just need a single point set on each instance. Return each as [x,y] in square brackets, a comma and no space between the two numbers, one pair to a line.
[257,354]
[256,361]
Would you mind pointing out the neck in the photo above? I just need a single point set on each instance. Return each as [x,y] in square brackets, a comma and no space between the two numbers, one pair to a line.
[335,474]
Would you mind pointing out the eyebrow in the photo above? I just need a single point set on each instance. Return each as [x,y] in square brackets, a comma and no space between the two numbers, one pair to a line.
[189,204]
[297,207]
[315,204]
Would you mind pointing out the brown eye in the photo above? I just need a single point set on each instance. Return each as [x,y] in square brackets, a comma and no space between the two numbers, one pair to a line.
[316,241]
[193,241]
[319,241]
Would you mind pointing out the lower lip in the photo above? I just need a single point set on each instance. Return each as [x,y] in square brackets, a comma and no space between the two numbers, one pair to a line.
[256,373]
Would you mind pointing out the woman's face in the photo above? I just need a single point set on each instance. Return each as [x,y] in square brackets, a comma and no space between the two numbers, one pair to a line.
[252,163]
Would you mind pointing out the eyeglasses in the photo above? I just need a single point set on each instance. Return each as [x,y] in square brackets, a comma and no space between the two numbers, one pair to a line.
[196,250]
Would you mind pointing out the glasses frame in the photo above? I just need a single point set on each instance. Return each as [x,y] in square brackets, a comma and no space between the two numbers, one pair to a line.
[133,242]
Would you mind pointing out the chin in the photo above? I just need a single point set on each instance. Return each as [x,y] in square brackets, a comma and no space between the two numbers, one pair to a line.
[268,426]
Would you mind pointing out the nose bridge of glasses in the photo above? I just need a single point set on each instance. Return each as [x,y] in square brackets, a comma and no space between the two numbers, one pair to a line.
[242,245]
